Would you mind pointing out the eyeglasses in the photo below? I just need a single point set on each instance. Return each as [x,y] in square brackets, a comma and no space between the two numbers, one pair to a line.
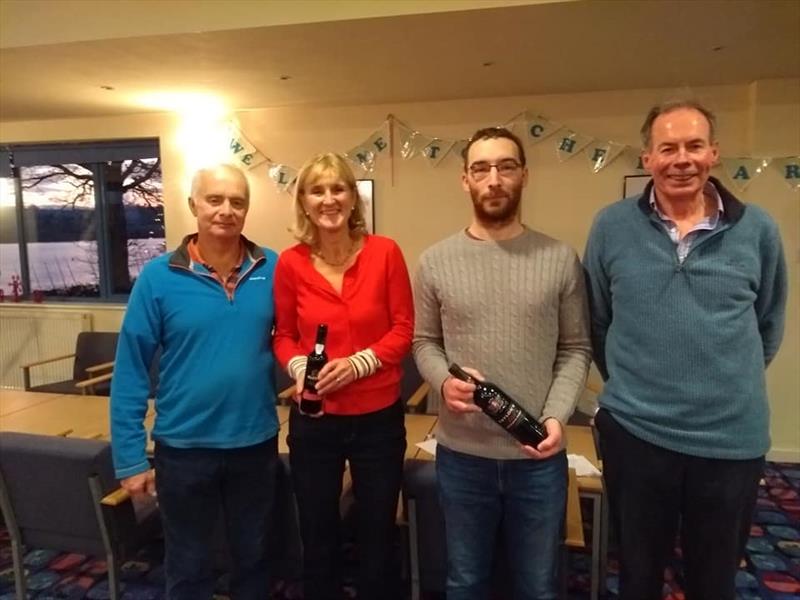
[505,168]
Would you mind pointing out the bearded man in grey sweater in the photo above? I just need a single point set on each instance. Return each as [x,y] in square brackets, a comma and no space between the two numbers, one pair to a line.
[509,304]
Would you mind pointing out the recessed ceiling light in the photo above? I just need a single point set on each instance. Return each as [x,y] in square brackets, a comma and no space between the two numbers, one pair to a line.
[108,88]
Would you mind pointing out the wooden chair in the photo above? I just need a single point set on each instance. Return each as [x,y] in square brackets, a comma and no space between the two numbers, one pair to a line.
[413,389]
[89,386]
[93,356]
[284,386]
[60,493]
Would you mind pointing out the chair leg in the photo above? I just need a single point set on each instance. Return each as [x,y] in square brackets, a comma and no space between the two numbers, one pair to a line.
[113,577]
[14,534]
[413,549]
[19,570]
[108,543]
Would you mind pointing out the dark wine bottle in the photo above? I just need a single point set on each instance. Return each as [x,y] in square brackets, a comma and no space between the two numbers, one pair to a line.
[503,409]
[310,401]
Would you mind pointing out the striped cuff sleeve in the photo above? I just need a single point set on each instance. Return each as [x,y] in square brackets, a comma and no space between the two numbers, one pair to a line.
[297,367]
[364,363]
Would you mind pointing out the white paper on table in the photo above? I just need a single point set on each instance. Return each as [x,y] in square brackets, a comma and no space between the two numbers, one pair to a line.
[428,446]
[582,466]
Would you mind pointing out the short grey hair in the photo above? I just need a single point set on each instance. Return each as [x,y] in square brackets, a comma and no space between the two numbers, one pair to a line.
[673,105]
[201,174]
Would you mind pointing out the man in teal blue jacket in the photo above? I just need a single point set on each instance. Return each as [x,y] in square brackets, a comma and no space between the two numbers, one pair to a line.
[208,308]
[688,290]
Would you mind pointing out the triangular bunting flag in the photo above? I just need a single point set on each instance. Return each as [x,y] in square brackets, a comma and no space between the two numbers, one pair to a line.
[789,168]
[435,149]
[634,158]
[378,142]
[243,153]
[282,175]
[362,156]
[538,128]
[601,154]
[569,143]
[741,171]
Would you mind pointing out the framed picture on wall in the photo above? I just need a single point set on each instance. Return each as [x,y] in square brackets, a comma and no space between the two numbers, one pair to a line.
[634,185]
[366,189]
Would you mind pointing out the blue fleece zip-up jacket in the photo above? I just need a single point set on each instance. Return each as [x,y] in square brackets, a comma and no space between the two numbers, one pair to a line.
[216,381]
[683,347]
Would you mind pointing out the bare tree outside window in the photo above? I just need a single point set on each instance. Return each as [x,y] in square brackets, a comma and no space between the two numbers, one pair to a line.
[66,231]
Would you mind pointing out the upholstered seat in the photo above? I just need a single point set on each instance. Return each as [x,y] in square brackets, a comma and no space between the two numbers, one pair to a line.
[60,493]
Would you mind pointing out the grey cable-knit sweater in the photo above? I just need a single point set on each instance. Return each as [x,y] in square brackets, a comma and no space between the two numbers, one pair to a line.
[516,310]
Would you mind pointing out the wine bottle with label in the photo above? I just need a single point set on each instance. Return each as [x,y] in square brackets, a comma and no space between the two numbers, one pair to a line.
[503,409]
[310,400]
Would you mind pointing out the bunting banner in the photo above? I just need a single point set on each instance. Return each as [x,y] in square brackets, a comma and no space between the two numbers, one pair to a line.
[741,171]
[789,169]
[634,158]
[243,153]
[457,149]
[434,149]
[409,143]
[538,128]
[569,143]
[379,142]
[282,175]
[601,154]
[362,156]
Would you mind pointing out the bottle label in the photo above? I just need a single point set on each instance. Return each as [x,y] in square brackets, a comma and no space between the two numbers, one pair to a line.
[495,405]
[504,412]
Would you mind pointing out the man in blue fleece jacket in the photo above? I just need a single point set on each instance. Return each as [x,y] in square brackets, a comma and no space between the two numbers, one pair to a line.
[208,307]
[688,291]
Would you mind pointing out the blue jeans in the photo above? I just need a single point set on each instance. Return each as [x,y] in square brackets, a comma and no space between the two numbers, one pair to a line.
[374,445]
[525,499]
[194,485]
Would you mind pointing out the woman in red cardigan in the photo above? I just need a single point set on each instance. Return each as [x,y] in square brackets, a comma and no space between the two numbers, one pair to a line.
[357,284]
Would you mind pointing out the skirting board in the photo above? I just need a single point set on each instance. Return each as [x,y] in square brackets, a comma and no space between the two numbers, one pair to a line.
[784,455]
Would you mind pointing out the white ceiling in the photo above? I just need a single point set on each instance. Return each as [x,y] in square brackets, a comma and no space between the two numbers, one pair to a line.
[537,48]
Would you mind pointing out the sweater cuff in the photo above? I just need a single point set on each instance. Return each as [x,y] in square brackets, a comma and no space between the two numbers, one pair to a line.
[364,363]
[297,367]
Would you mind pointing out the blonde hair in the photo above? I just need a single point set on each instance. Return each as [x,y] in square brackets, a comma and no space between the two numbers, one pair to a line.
[323,164]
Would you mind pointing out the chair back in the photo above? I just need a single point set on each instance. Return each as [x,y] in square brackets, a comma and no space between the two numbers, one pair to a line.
[45,482]
[93,348]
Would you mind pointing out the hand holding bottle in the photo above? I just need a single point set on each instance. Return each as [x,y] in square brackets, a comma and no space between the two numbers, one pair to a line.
[552,444]
[503,409]
[334,376]
[458,394]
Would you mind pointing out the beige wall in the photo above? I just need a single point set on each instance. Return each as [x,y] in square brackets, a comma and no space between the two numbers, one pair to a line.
[418,204]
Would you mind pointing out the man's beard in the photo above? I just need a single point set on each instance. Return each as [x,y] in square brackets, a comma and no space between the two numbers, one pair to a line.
[500,215]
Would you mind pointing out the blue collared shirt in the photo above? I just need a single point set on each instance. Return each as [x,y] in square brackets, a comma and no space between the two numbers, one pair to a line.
[684,244]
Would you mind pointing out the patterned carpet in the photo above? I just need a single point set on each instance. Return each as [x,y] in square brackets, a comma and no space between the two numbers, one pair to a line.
[772,571]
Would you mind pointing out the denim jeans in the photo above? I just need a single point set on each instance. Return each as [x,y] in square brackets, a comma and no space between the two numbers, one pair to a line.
[374,445]
[525,499]
[194,485]
[654,492]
